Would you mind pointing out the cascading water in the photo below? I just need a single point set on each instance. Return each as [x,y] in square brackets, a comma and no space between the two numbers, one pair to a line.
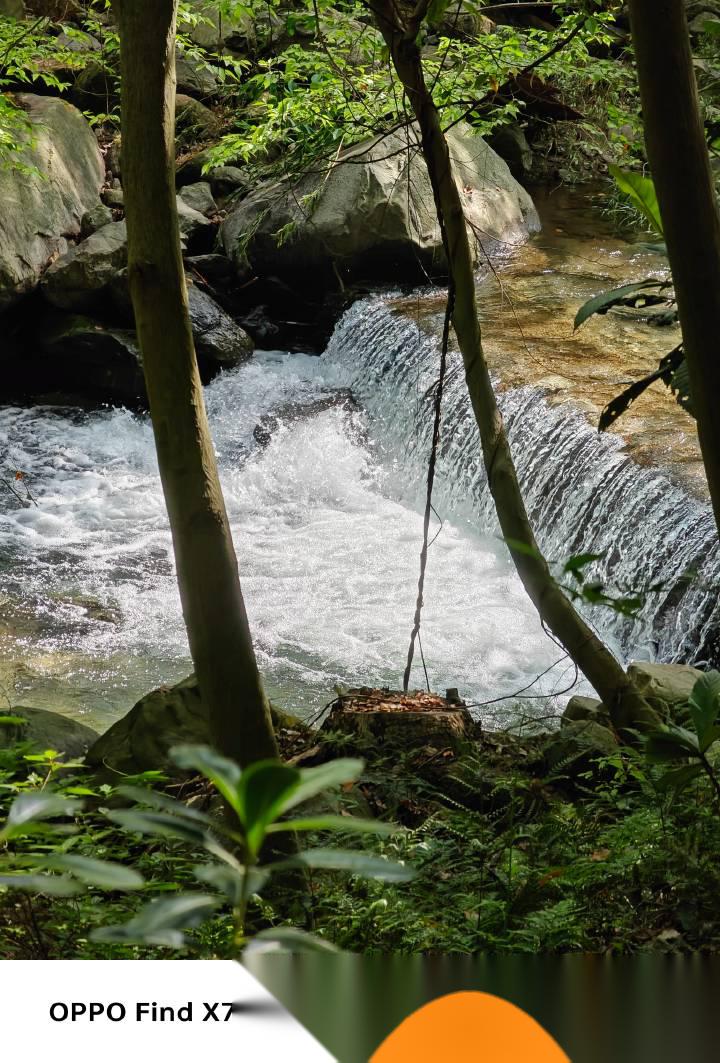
[328,547]
[326,498]
[584,493]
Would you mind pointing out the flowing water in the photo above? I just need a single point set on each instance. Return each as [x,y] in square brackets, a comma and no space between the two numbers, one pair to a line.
[325,503]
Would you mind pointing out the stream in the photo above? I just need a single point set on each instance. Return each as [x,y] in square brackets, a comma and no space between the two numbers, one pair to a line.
[325,500]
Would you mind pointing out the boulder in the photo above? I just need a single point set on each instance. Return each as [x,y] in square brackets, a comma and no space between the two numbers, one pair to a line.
[460,19]
[45,205]
[47,730]
[578,745]
[218,33]
[79,279]
[226,180]
[510,142]
[194,78]
[196,231]
[373,215]
[664,685]
[114,197]
[166,717]
[199,196]
[219,342]
[194,121]
[580,708]
[12,8]
[95,219]
[78,355]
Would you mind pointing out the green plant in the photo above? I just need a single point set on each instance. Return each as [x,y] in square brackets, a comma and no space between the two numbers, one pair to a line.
[673,743]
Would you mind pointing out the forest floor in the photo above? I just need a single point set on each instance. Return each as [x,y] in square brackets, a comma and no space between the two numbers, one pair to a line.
[515,849]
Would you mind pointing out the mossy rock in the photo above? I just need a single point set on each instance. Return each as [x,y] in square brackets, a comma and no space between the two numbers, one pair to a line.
[44,729]
[166,717]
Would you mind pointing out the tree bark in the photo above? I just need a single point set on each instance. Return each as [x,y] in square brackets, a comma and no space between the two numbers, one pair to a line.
[207,571]
[680,166]
[627,708]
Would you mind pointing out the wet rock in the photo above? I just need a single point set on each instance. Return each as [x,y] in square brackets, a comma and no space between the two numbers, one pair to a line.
[79,279]
[374,215]
[199,197]
[12,8]
[95,219]
[79,355]
[219,342]
[40,211]
[48,730]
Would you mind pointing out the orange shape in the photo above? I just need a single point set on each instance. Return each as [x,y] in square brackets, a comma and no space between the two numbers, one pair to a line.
[469,1028]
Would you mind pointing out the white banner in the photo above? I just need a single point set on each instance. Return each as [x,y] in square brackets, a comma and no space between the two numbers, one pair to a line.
[146,1011]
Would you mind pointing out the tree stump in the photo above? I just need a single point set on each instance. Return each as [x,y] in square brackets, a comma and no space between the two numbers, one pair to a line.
[412,720]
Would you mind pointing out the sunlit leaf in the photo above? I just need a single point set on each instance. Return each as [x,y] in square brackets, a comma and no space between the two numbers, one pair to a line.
[641,192]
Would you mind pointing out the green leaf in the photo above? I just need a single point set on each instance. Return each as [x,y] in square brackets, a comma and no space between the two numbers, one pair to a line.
[641,193]
[314,781]
[355,863]
[163,921]
[679,778]
[601,303]
[339,823]
[264,790]
[224,774]
[162,803]
[13,721]
[288,939]
[230,881]
[52,885]
[28,808]
[102,873]
[705,704]
[160,824]
[670,743]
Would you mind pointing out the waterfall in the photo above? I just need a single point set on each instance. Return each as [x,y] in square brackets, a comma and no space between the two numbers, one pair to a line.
[583,491]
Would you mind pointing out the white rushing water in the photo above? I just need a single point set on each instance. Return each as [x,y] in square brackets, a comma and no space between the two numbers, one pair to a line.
[327,523]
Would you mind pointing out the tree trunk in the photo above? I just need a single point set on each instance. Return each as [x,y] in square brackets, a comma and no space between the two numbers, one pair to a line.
[626,706]
[207,571]
[680,166]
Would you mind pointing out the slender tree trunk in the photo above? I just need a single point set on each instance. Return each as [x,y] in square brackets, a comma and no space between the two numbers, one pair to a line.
[627,708]
[207,572]
[680,166]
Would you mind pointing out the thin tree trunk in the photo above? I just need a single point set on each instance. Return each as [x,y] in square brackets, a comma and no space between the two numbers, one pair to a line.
[207,572]
[626,706]
[680,166]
